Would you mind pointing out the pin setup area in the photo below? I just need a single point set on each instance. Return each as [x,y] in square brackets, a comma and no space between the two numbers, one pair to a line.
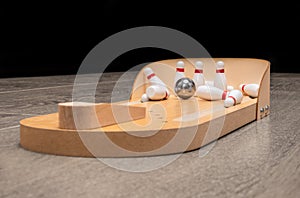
[169,98]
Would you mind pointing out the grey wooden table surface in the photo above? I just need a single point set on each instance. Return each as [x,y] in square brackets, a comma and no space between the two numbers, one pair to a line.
[261,159]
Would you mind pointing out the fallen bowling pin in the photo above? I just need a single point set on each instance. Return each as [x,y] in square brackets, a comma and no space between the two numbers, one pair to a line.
[250,89]
[211,93]
[211,83]
[234,97]
[156,92]
[152,78]
[230,88]
[144,98]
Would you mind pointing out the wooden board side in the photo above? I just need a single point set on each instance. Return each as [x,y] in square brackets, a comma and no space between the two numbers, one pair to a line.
[90,116]
[263,102]
[120,144]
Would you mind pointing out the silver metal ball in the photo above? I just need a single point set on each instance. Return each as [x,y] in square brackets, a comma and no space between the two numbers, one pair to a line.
[185,88]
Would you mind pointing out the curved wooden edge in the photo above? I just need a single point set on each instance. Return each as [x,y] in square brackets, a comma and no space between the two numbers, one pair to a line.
[263,102]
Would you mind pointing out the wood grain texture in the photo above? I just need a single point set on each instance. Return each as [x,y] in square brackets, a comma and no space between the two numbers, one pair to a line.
[258,160]
[91,115]
[157,133]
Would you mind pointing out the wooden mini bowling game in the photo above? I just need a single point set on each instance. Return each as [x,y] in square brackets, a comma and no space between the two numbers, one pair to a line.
[146,127]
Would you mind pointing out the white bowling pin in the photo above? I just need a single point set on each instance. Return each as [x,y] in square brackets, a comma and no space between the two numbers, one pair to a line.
[220,78]
[179,72]
[209,83]
[250,89]
[144,98]
[198,75]
[234,97]
[230,88]
[156,92]
[152,78]
[210,93]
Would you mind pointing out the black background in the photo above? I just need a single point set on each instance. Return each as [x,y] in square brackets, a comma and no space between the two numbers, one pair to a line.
[53,39]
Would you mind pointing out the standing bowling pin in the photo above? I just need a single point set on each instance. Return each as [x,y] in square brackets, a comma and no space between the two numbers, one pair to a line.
[250,89]
[234,97]
[220,78]
[156,92]
[211,93]
[198,75]
[179,72]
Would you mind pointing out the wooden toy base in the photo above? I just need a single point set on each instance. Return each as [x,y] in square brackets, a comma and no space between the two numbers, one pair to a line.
[169,126]
[148,136]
